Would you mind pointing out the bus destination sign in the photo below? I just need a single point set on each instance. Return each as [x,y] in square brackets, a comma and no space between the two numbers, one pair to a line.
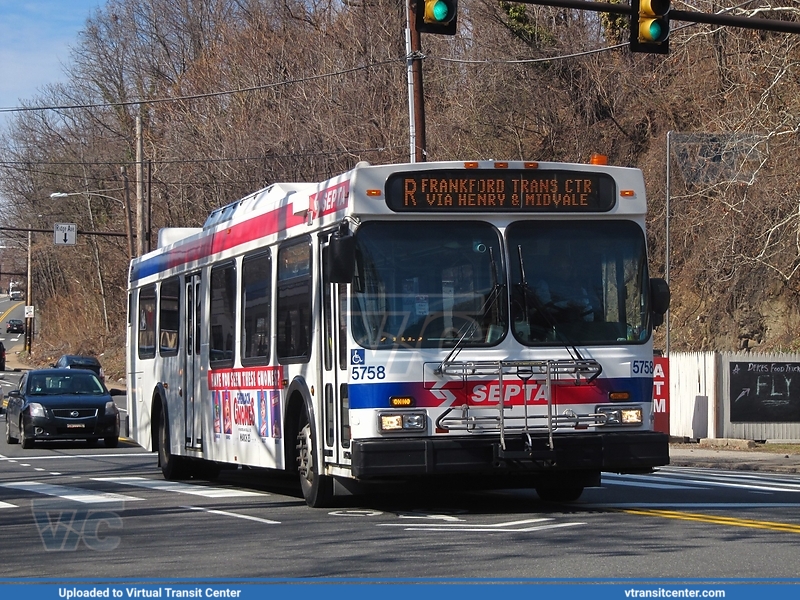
[513,190]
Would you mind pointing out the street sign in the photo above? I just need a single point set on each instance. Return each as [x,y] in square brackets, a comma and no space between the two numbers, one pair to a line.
[29,312]
[65,234]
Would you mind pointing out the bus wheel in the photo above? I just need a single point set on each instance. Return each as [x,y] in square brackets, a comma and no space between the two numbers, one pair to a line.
[560,493]
[172,467]
[317,489]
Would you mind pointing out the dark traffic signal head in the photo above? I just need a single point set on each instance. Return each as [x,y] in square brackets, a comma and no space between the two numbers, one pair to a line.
[437,16]
[650,26]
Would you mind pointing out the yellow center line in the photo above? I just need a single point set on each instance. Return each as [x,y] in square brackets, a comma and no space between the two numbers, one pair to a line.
[717,520]
[8,312]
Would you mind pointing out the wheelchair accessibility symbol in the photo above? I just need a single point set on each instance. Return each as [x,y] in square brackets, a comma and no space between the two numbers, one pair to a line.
[357,357]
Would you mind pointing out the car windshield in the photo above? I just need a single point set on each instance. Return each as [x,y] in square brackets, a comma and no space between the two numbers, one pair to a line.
[41,384]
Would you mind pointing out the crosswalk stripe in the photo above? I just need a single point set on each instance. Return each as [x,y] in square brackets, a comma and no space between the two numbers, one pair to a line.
[183,488]
[225,513]
[68,493]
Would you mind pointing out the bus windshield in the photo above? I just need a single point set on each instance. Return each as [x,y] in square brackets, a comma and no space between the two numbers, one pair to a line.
[428,285]
[580,282]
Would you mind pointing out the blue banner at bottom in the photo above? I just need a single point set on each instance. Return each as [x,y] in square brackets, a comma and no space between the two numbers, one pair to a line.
[367,589]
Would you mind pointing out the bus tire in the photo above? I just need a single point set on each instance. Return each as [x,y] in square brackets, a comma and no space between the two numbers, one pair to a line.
[317,489]
[172,467]
[565,493]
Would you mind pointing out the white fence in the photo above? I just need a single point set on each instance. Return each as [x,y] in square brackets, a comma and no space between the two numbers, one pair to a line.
[734,395]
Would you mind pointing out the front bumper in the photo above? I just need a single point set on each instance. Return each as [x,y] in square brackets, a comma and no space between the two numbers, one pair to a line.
[592,452]
[88,428]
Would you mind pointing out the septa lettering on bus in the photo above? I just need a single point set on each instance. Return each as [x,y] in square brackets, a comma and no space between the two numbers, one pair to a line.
[329,200]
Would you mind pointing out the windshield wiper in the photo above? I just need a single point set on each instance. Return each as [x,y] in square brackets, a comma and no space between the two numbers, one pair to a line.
[488,304]
[527,292]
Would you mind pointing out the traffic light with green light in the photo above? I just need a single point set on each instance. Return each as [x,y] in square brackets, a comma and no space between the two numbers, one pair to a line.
[437,16]
[650,26]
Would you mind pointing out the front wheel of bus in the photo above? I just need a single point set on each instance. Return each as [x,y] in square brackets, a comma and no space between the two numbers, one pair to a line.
[317,489]
[172,467]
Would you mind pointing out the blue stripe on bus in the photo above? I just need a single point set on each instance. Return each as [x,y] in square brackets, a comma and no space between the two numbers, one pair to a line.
[377,395]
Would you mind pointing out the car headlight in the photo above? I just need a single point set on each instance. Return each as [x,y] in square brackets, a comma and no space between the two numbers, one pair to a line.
[37,410]
[111,408]
[402,421]
[618,415]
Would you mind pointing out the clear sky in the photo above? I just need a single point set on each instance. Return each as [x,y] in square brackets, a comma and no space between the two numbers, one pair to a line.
[35,41]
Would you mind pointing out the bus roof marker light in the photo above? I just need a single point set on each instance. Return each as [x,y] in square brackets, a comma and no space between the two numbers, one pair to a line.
[471,165]
[501,165]
[531,165]
[374,192]
[598,159]
[627,193]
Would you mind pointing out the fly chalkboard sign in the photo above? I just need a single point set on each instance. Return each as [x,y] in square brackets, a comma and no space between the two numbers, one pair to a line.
[765,392]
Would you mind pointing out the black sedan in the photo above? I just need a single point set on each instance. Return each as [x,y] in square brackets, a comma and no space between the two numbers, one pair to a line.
[72,361]
[61,404]
[15,326]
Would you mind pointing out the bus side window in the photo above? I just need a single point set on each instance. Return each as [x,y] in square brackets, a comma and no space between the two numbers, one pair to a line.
[294,302]
[223,314]
[146,339]
[169,317]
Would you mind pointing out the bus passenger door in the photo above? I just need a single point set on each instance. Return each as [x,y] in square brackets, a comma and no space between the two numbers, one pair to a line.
[192,375]
[335,418]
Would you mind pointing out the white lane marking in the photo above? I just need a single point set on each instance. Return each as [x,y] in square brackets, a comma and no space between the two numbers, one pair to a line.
[692,481]
[714,475]
[230,514]
[658,486]
[68,493]
[509,526]
[685,505]
[463,525]
[7,505]
[489,528]
[182,488]
[98,455]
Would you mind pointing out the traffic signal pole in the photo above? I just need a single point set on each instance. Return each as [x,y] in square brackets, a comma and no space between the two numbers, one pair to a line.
[416,98]
[679,15]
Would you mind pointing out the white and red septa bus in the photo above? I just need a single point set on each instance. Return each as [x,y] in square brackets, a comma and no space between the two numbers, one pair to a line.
[481,323]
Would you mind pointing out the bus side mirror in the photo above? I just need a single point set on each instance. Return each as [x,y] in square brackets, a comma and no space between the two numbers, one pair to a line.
[341,259]
[659,299]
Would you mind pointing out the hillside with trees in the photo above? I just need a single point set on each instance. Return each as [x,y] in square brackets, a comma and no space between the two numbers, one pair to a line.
[235,95]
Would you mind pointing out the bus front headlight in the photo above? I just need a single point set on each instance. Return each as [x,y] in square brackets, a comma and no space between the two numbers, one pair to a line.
[402,421]
[617,415]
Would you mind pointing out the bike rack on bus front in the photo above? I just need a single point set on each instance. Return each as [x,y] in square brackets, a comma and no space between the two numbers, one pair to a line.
[553,372]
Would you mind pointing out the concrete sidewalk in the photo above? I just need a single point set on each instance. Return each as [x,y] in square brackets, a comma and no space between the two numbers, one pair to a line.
[739,455]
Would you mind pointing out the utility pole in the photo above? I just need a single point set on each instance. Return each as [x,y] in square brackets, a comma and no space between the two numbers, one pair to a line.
[416,96]
[128,224]
[28,294]
[139,186]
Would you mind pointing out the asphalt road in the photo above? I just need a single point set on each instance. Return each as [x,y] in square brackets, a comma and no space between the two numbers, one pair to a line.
[71,511]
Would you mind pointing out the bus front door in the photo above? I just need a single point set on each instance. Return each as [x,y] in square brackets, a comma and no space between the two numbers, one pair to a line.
[192,375]
[335,425]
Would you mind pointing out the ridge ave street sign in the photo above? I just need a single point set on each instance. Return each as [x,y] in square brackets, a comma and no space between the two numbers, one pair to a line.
[66,233]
